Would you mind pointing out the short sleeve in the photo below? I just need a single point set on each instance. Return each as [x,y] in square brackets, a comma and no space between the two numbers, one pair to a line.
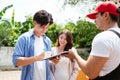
[101,45]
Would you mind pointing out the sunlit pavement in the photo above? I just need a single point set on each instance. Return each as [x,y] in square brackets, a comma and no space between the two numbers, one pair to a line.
[10,75]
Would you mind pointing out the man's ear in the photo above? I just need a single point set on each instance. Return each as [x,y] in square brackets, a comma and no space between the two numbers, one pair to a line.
[34,22]
[106,15]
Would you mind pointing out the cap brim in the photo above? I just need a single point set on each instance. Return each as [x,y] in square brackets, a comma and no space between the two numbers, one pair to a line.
[92,15]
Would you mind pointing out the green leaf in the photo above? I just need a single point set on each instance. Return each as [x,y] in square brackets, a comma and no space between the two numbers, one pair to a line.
[2,12]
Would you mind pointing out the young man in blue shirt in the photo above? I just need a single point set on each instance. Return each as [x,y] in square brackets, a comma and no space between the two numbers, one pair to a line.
[32,47]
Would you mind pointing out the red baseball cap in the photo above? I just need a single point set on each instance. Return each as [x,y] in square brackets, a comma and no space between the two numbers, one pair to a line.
[107,6]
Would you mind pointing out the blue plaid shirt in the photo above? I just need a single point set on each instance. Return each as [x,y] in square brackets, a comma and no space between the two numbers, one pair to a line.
[25,48]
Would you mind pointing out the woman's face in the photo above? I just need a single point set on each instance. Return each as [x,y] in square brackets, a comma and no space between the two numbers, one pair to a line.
[62,40]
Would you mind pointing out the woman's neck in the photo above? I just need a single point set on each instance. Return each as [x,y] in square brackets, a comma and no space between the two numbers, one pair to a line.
[61,48]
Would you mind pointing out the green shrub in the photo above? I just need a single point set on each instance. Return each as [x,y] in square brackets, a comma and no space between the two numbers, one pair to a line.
[53,32]
[83,33]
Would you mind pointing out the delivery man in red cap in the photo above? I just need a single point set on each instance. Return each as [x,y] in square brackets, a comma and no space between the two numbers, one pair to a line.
[104,60]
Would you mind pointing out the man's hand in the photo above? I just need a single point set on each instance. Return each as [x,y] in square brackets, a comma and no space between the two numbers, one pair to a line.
[43,55]
[71,54]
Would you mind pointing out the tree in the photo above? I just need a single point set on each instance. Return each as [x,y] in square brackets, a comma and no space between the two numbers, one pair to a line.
[10,37]
[2,12]
[4,30]
[5,25]
[83,33]
[27,25]
[17,28]
[75,2]
[53,32]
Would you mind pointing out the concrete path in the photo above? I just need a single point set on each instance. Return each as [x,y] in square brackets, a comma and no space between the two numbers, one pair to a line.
[10,75]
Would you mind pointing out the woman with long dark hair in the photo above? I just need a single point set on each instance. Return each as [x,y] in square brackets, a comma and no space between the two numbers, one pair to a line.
[65,68]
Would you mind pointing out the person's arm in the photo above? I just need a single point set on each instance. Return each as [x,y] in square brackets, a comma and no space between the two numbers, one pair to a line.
[23,61]
[92,66]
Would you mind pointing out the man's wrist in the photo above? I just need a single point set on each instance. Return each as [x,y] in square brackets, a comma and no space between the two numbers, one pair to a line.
[36,58]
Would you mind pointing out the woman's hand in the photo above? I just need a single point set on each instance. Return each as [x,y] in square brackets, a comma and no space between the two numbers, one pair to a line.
[56,59]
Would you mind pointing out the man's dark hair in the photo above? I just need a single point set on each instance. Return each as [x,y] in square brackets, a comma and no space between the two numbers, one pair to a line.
[112,16]
[115,19]
[118,11]
[42,17]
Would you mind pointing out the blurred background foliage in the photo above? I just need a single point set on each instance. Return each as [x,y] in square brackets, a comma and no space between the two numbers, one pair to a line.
[83,31]
[77,2]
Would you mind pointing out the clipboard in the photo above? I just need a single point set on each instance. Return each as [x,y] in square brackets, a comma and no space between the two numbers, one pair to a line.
[61,53]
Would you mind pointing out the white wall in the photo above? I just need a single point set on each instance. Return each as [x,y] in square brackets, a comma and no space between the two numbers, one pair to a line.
[6,58]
